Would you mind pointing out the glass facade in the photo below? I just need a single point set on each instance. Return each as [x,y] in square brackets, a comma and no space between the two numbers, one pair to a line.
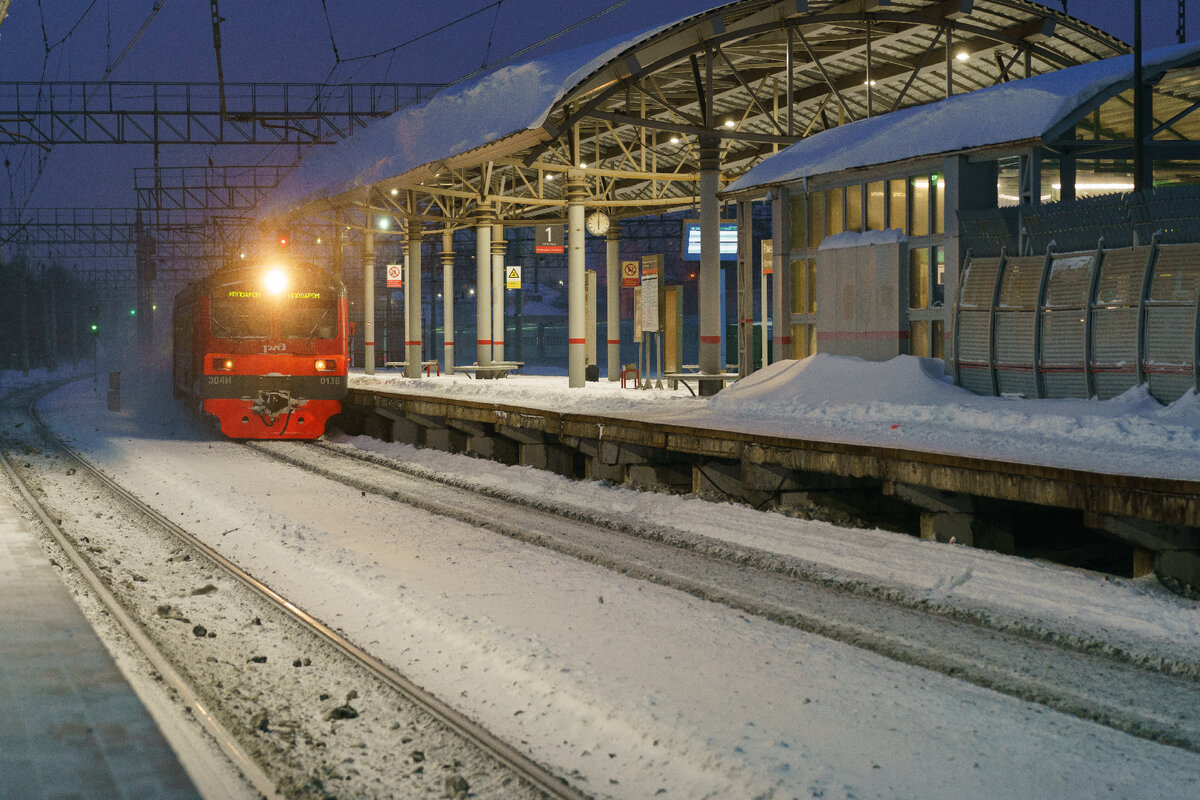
[914,204]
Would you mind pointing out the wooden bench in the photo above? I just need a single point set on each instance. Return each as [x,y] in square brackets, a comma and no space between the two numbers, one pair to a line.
[684,377]
[428,365]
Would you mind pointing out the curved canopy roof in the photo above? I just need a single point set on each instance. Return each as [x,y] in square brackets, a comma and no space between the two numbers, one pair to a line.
[1033,109]
[758,74]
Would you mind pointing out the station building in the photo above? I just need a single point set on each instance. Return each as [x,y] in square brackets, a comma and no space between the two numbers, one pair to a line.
[997,230]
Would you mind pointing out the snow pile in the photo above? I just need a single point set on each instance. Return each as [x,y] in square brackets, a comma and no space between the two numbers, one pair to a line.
[911,400]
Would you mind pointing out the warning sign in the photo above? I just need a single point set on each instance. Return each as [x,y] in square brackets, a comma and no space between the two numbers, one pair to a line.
[629,274]
[512,277]
[395,276]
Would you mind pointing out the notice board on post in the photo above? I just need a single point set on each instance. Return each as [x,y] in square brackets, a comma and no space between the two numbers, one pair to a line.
[652,294]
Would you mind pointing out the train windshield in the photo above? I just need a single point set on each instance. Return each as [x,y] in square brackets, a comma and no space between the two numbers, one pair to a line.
[239,314]
[309,315]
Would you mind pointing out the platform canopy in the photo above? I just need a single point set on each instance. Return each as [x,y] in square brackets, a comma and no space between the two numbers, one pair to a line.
[759,74]
[1041,109]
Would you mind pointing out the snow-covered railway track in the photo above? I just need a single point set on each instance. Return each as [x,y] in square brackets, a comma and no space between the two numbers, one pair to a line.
[297,705]
[1069,676]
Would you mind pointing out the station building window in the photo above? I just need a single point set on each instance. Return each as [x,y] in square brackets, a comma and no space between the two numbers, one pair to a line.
[926,299]
[854,208]
[876,203]
[897,204]
[804,307]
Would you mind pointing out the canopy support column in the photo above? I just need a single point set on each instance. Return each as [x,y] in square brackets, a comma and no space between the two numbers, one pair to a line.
[483,285]
[710,264]
[745,288]
[612,274]
[448,300]
[576,322]
[498,283]
[413,338]
[368,262]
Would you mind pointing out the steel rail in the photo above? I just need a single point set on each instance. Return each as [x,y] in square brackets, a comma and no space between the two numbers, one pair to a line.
[537,776]
[251,772]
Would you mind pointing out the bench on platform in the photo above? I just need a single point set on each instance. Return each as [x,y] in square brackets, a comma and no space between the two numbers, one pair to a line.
[497,369]
[685,377]
[427,365]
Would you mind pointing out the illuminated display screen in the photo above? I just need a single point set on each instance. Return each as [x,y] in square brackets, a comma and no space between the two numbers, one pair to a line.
[691,240]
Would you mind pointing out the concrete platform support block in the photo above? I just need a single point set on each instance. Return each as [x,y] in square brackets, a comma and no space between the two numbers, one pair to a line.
[447,440]
[661,478]
[615,474]
[407,432]
[947,527]
[553,458]
[495,448]
[1177,567]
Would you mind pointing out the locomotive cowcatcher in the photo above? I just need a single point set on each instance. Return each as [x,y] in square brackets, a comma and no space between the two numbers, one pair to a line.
[262,346]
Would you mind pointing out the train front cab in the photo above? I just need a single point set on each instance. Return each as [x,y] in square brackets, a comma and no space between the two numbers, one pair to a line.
[267,362]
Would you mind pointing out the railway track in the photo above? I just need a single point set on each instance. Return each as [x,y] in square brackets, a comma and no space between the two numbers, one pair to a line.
[293,702]
[1075,678]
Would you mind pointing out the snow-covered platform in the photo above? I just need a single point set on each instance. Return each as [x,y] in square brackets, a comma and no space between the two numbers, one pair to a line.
[896,434]
[70,725]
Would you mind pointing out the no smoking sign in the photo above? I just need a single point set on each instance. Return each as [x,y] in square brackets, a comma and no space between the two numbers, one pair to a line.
[629,273]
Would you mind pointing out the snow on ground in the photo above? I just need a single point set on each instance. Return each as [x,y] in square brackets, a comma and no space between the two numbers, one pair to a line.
[652,690]
[906,402]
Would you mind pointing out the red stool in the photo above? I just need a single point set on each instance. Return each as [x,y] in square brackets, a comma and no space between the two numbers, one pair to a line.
[626,371]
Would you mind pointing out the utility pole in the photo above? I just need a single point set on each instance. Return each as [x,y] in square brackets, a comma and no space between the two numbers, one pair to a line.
[1142,171]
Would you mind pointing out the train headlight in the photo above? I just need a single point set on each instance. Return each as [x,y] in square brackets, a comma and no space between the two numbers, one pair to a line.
[325,365]
[275,281]
[222,364]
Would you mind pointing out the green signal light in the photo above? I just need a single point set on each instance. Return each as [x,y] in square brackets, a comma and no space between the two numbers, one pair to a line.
[132,311]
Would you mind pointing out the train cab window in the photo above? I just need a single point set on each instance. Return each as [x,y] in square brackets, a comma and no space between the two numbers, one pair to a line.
[309,315]
[239,315]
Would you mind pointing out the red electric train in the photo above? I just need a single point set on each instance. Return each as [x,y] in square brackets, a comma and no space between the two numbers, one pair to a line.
[262,347]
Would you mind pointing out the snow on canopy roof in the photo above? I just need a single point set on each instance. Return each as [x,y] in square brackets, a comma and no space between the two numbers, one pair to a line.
[1010,112]
[505,101]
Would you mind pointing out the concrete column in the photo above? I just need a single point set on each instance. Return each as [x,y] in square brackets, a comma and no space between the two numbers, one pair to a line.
[413,339]
[448,300]
[745,288]
[483,285]
[781,302]
[368,262]
[498,249]
[710,263]
[576,321]
[612,265]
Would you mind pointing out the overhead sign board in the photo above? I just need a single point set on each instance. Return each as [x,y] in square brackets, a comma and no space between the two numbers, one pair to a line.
[548,239]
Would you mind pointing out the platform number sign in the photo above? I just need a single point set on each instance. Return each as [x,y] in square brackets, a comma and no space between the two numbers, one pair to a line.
[548,239]
[395,276]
